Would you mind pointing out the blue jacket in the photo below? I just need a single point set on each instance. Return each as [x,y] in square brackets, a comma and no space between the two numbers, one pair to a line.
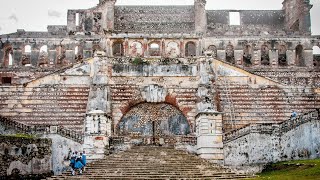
[84,159]
[78,165]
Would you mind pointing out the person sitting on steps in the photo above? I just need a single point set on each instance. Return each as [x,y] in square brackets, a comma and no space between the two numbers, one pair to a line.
[78,164]
[293,115]
[83,160]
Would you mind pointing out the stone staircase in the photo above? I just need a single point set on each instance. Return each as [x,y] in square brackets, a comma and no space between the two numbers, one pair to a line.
[50,105]
[263,104]
[148,162]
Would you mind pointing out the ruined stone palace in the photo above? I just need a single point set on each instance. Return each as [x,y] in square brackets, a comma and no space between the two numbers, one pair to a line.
[177,76]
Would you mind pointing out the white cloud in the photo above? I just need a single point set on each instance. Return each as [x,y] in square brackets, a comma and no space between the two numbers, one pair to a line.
[54,13]
[13,17]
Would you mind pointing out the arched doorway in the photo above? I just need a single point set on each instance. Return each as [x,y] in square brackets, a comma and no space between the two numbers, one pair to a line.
[153,120]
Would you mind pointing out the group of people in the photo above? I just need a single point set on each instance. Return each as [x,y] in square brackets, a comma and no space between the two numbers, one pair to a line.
[78,161]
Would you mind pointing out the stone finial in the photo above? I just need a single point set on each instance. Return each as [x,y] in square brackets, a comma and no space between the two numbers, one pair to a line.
[203,2]
[105,1]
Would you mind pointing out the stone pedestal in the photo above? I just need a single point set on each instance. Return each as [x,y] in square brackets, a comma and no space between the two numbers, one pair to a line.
[209,136]
[97,131]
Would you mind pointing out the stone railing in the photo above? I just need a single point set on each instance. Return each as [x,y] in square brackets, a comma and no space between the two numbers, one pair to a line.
[160,60]
[170,140]
[41,129]
[272,128]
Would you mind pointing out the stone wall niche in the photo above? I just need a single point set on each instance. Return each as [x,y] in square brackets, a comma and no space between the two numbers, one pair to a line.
[97,133]
[282,56]
[209,136]
[247,55]
[299,56]
[265,58]
[190,49]
[230,56]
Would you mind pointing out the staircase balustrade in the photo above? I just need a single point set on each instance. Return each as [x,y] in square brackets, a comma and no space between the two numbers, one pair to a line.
[270,128]
[41,129]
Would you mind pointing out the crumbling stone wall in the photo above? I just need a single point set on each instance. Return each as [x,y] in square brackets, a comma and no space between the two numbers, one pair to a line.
[173,19]
[273,142]
[252,23]
[24,156]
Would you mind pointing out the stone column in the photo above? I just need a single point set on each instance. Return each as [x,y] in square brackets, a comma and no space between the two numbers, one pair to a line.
[221,55]
[97,132]
[126,47]
[274,58]
[209,136]
[108,14]
[291,57]
[145,47]
[238,56]
[200,16]
[308,57]
[257,58]
[208,120]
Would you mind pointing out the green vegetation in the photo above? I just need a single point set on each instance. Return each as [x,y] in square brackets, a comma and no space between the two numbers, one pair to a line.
[22,136]
[139,61]
[292,170]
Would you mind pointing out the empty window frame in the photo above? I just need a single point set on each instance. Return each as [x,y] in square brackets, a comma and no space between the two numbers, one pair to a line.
[234,18]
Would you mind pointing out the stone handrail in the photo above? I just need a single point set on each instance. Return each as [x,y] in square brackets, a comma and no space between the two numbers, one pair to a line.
[269,128]
[192,140]
[155,60]
[42,129]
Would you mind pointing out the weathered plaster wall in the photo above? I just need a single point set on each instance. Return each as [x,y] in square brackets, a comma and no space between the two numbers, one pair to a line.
[5,130]
[271,146]
[60,147]
[24,156]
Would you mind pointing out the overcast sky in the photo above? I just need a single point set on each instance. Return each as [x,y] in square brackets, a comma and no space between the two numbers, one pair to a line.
[35,15]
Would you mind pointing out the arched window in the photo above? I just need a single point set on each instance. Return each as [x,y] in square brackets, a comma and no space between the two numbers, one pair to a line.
[316,56]
[27,49]
[172,50]
[117,49]
[316,50]
[230,54]
[299,56]
[265,59]
[10,60]
[43,58]
[282,55]
[154,49]
[44,49]
[136,49]
[247,55]
[78,54]
[190,49]
[76,50]
[212,49]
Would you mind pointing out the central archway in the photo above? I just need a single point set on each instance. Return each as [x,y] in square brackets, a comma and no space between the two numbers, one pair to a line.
[153,119]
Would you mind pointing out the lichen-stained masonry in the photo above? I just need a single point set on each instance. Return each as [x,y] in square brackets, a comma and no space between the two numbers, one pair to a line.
[217,76]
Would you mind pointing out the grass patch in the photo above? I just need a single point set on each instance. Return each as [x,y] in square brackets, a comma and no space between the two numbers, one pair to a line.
[292,170]
[21,136]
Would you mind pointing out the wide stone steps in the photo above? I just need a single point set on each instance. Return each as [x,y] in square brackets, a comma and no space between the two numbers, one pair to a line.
[250,105]
[147,162]
[63,105]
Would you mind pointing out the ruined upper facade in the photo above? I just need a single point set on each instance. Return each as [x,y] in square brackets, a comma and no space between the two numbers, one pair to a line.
[261,38]
[177,72]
